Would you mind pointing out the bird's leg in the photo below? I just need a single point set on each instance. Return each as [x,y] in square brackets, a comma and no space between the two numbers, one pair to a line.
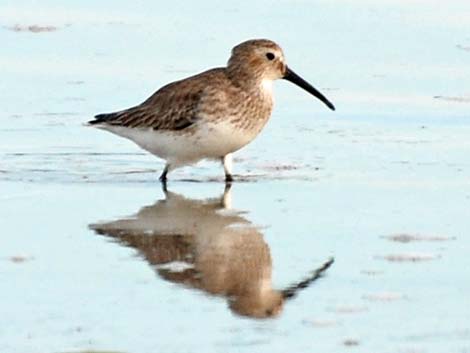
[163,176]
[227,162]
[164,188]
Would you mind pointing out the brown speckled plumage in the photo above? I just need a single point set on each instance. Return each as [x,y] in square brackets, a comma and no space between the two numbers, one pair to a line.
[209,115]
[210,95]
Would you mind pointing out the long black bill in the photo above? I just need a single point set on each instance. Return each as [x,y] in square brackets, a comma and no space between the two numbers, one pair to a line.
[299,81]
[292,290]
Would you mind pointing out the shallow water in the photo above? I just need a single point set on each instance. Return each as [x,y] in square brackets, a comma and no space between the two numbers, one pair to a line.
[95,256]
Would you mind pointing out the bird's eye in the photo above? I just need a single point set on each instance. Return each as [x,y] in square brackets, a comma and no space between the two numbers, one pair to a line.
[270,56]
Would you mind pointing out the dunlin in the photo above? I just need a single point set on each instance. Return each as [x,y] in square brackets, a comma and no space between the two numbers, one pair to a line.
[209,115]
[204,245]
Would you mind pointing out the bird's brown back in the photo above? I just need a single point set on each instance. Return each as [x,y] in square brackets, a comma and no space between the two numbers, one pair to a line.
[181,104]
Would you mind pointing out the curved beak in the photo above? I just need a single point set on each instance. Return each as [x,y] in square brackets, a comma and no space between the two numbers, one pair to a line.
[292,290]
[299,81]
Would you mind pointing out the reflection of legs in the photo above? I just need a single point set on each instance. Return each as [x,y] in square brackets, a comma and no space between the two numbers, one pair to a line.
[227,162]
[227,197]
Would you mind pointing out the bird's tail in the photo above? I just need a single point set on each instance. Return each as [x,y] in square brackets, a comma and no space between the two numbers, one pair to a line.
[104,118]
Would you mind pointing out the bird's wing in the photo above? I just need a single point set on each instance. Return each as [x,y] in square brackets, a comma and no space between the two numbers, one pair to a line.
[168,111]
[173,107]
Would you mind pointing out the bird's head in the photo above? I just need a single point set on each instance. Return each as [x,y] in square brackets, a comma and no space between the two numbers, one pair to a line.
[261,61]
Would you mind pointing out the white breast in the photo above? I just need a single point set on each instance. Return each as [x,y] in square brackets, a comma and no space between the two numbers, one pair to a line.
[207,140]
[267,87]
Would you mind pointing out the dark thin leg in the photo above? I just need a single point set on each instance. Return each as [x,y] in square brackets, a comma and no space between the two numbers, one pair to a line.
[165,172]
[164,188]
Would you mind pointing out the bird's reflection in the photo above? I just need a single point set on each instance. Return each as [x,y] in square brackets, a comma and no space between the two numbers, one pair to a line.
[203,244]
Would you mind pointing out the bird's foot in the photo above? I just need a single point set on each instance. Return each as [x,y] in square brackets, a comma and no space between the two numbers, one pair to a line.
[162,177]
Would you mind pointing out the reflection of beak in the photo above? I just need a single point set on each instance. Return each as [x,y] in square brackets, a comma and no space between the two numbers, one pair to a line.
[291,291]
[299,81]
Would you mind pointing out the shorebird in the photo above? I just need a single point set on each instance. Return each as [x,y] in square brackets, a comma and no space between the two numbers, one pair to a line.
[191,242]
[209,115]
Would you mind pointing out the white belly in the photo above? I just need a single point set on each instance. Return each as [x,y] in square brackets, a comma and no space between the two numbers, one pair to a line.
[207,140]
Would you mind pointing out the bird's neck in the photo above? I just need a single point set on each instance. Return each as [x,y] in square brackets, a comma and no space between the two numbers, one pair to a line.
[248,80]
[266,87]
[260,90]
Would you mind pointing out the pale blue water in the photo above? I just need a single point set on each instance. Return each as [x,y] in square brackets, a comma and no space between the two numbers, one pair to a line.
[392,159]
